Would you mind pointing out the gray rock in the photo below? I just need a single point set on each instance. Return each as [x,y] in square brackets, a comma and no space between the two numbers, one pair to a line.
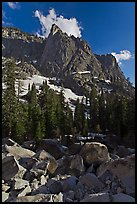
[69,183]
[99,197]
[27,163]
[34,184]
[75,148]
[121,197]
[56,187]
[34,198]
[123,169]
[80,192]
[94,153]
[69,195]
[90,169]
[122,151]
[9,142]
[5,187]
[11,168]
[5,196]
[53,147]
[43,179]
[20,183]
[25,191]
[107,175]
[47,161]
[29,145]
[40,190]
[77,164]
[90,180]
[18,151]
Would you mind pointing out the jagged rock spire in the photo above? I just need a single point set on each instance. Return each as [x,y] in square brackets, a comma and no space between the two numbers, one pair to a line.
[55,29]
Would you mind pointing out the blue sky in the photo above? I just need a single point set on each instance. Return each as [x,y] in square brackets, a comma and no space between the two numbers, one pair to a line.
[107,26]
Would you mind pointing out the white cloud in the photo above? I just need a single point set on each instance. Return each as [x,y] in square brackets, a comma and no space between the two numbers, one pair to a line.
[123,55]
[4,15]
[4,20]
[13,5]
[70,26]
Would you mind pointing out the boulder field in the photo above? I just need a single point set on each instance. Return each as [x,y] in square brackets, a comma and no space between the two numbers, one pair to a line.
[54,173]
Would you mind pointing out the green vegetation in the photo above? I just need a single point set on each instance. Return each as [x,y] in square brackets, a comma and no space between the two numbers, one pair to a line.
[47,115]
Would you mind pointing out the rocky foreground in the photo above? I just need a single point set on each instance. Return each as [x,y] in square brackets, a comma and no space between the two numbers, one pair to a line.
[54,173]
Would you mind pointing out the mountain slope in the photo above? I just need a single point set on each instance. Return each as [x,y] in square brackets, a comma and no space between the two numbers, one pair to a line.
[69,59]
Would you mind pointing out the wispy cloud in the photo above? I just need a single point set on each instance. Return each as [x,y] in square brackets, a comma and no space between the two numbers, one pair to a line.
[4,19]
[123,55]
[13,5]
[4,14]
[70,26]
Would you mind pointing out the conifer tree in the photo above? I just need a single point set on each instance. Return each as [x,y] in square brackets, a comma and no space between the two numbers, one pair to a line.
[94,109]
[9,100]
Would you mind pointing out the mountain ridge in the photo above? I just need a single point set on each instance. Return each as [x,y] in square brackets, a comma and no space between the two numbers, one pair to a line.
[68,58]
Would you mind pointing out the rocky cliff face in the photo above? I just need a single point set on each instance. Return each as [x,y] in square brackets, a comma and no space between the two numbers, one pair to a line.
[67,58]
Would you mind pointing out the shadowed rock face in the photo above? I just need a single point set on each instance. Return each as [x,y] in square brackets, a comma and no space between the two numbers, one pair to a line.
[68,58]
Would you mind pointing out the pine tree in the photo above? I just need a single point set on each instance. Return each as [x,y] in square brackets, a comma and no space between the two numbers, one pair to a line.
[94,109]
[9,100]
[79,116]
[102,112]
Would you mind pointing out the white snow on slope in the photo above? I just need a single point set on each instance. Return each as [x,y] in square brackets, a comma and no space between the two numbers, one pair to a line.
[38,80]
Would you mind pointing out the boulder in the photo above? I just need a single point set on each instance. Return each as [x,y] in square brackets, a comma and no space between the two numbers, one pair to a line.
[31,145]
[122,151]
[75,148]
[5,196]
[20,183]
[45,157]
[34,184]
[40,190]
[94,153]
[98,197]
[121,197]
[123,169]
[43,179]
[56,187]
[77,164]
[11,168]
[69,196]
[19,152]
[5,187]
[91,181]
[27,162]
[69,183]
[53,147]
[9,142]
[24,191]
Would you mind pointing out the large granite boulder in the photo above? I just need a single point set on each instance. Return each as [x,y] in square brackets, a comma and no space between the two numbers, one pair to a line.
[11,168]
[19,152]
[91,181]
[53,147]
[77,164]
[94,153]
[45,157]
[123,169]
